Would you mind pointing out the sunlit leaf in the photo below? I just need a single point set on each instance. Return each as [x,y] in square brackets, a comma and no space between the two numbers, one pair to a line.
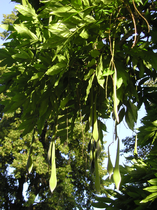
[55,69]
[25,32]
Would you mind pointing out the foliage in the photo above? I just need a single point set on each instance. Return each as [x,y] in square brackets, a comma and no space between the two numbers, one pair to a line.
[139,181]
[80,58]
[75,186]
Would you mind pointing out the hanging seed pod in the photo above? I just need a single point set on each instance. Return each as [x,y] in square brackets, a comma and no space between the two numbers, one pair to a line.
[109,165]
[135,148]
[116,172]
[95,123]
[53,178]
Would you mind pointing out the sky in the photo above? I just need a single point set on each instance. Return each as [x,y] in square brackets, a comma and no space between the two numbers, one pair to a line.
[6,7]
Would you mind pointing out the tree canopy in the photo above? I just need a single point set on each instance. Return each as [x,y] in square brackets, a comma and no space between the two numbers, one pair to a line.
[87,59]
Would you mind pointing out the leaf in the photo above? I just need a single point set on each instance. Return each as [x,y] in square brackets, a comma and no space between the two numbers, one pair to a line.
[37,76]
[55,69]
[63,11]
[153,181]
[59,29]
[64,101]
[87,76]
[116,172]
[131,115]
[4,26]
[95,53]
[25,32]
[4,53]
[86,2]
[90,81]
[107,72]
[150,197]
[22,55]
[84,34]
[27,11]
[109,165]
[43,106]
[151,189]
[53,178]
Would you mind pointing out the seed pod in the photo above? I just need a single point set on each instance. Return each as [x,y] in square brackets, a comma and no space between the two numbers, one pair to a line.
[116,172]
[109,165]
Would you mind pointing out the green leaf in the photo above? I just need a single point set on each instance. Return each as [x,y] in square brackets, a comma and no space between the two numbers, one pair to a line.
[4,53]
[63,11]
[95,53]
[64,101]
[150,197]
[107,72]
[90,81]
[100,205]
[84,34]
[151,189]
[53,177]
[4,26]
[27,11]
[37,76]
[59,29]
[87,76]
[116,172]
[22,54]
[153,181]
[55,69]
[25,32]
[43,106]
[131,115]
[86,2]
